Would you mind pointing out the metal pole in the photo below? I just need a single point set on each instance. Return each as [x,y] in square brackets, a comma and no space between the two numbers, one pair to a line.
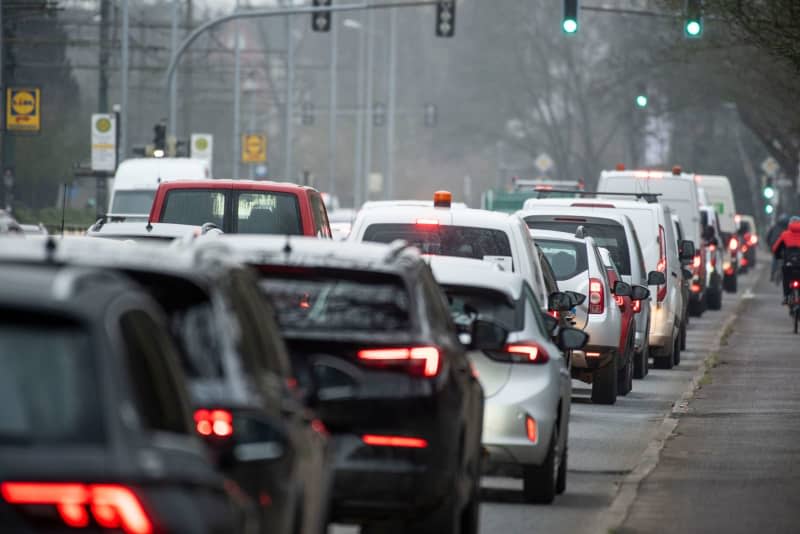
[122,149]
[3,90]
[289,126]
[237,98]
[358,163]
[102,82]
[173,87]
[252,126]
[332,104]
[370,87]
[390,122]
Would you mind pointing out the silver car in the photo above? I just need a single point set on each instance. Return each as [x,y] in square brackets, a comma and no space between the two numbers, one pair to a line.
[527,385]
[578,267]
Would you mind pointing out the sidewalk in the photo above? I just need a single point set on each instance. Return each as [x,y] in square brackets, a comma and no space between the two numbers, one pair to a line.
[733,462]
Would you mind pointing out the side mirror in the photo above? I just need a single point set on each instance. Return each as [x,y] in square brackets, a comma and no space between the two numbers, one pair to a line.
[487,335]
[640,293]
[559,301]
[550,323]
[622,289]
[577,298]
[687,250]
[572,339]
[656,278]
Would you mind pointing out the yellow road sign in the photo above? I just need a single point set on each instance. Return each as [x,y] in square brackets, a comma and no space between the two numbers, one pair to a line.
[254,148]
[23,109]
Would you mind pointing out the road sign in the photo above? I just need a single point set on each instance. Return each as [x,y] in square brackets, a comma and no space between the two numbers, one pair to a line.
[770,166]
[201,146]
[254,148]
[544,162]
[23,109]
[104,142]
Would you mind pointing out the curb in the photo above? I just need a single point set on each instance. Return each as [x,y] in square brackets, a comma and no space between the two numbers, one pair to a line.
[617,512]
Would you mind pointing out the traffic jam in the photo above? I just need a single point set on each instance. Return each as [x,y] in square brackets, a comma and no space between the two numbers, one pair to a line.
[219,356]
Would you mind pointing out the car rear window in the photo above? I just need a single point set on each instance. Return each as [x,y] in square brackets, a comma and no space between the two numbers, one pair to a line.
[268,213]
[48,382]
[445,240]
[567,259]
[135,201]
[606,235]
[194,206]
[468,304]
[337,300]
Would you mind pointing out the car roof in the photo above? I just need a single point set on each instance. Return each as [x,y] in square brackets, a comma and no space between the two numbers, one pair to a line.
[469,272]
[569,210]
[142,229]
[255,185]
[445,216]
[308,251]
[646,173]
[556,235]
[372,204]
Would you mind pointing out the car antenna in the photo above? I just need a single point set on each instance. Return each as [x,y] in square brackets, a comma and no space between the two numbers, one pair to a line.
[287,248]
[49,249]
[149,226]
[580,232]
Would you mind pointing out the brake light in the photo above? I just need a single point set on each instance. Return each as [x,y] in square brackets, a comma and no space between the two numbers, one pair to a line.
[427,222]
[696,288]
[527,352]
[661,266]
[597,297]
[111,505]
[744,262]
[530,429]
[713,249]
[745,248]
[733,244]
[795,284]
[422,361]
[218,423]
[753,240]
[637,306]
[696,261]
[394,441]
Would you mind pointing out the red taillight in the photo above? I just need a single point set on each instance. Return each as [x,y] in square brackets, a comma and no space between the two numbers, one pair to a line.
[394,441]
[427,222]
[423,361]
[696,261]
[744,262]
[111,505]
[597,297]
[733,244]
[753,240]
[530,429]
[527,352]
[696,288]
[217,423]
[795,284]
[745,248]
[637,306]
[620,302]
[661,266]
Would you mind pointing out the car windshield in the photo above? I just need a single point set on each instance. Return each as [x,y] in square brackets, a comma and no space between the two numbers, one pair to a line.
[133,202]
[568,259]
[607,235]
[49,388]
[468,304]
[445,240]
[337,300]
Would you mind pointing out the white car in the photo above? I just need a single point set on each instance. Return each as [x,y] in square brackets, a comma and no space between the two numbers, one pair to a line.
[144,232]
[526,385]
[578,267]
[468,233]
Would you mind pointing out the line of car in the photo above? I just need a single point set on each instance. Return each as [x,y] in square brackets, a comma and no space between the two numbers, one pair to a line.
[369,381]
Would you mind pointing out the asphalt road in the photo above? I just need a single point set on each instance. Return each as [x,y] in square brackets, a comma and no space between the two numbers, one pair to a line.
[605,443]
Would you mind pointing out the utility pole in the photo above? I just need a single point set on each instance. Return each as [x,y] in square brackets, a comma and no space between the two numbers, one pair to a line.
[237,97]
[173,90]
[368,29]
[388,190]
[288,119]
[358,161]
[332,104]
[102,85]
[188,88]
[122,127]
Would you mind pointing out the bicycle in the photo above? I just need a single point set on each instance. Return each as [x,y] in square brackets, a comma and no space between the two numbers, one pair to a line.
[794,302]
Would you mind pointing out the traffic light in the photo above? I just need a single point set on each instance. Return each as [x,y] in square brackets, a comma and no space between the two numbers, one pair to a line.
[693,28]
[641,100]
[445,18]
[569,22]
[321,20]
[769,190]
[160,136]
[769,209]
[430,115]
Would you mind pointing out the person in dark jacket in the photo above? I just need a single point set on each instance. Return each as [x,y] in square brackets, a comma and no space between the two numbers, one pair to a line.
[773,234]
[787,248]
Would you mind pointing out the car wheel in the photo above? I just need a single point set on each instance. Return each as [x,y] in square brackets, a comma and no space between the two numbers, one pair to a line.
[730,283]
[539,481]
[625,378]
[604,384]
[683,343]
[676,353]
[714,298]
[662,356]
[471,516]
[641,363]
[561,479]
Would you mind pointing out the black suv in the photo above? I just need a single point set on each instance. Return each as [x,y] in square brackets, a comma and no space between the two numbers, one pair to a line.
[238,374]
[372,341]
[96,432]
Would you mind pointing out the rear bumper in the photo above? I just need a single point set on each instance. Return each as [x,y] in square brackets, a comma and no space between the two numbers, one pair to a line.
[585,360]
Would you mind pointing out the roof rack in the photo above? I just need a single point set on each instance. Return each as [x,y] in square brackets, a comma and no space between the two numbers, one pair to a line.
[650,198]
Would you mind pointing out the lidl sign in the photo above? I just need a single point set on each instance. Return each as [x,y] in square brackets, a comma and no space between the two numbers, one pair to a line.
[23,109]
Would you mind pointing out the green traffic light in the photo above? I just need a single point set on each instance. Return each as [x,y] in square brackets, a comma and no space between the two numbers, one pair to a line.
[693,28]
[641,101]
[769,209]
[569,25]
[769,192]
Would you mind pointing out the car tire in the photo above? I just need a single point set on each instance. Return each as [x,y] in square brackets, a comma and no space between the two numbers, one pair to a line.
[561,479]
[604,383]
[663,357]
[641,363]
[714,298]
[676,354]
[683,342]
[539,481]
[625,378]
[730,283]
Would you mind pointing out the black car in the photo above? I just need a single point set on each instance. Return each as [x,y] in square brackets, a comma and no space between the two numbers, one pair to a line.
[372,340]
[238,373]
[96,433]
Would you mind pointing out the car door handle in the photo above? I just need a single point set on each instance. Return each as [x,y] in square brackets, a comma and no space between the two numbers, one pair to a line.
[675,275]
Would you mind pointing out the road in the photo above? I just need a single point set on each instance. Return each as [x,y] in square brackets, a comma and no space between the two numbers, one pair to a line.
[606,443]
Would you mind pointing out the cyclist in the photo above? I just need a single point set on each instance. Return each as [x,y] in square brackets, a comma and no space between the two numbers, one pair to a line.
[788,247]
[773,234]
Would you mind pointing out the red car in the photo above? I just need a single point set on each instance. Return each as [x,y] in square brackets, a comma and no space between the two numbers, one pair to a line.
[243,207]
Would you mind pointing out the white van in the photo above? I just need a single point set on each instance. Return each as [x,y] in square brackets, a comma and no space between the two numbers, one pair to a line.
[720,196]
[137,179]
